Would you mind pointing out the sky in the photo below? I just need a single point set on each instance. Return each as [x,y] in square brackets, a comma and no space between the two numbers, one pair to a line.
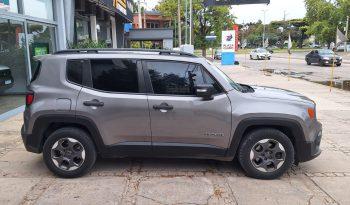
[252,13]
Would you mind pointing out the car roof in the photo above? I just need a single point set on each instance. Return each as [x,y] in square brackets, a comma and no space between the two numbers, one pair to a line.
[146,54]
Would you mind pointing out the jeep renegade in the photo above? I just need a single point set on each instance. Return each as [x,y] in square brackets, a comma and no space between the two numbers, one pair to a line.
[158,103]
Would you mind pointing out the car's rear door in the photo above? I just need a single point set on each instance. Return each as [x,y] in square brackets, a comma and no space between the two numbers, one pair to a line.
[115,101]
[183,124]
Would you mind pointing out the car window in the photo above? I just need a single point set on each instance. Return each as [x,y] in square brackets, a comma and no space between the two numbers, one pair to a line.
[174,78]
[208,79]
[75,71]
[115,75]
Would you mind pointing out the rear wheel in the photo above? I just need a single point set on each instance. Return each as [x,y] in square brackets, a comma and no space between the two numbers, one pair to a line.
[339,64]
[251,57]
[266,154]
[308,62]
[69,152]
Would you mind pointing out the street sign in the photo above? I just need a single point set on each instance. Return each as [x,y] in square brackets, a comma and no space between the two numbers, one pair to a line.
[234,2]
[210,38]
[228,41]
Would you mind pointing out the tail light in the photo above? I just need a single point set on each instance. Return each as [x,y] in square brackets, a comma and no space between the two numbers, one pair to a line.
[29,98]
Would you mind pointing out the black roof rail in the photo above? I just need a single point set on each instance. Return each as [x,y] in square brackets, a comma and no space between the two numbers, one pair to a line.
[92,50]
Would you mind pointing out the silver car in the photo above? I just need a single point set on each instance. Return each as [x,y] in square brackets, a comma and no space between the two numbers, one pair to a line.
[156,103]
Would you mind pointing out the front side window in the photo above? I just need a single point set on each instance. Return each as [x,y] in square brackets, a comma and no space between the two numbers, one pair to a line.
[115,75]
[174,78]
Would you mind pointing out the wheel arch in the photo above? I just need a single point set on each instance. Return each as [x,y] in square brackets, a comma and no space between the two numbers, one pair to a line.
[47,124]
[289,127]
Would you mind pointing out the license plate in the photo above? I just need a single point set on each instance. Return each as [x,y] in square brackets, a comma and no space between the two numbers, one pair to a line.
[7,82]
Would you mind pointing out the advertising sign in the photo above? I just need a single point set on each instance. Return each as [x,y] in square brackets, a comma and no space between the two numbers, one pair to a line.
[120,5]
[228,42]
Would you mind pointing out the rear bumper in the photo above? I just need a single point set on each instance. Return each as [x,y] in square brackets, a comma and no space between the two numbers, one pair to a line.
[308,150]
[29,142]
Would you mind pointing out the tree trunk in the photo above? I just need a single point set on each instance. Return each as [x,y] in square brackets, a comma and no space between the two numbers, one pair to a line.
[204,52]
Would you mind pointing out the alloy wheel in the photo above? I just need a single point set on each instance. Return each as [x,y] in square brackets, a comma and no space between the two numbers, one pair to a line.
[267,155]
[68,154]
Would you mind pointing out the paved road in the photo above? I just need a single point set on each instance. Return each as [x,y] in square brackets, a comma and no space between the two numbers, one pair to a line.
[279,64]
[24,179]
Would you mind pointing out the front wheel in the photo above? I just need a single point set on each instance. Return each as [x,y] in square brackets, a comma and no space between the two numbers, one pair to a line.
[69,152]
[339,64]
[308,62]
[266,153]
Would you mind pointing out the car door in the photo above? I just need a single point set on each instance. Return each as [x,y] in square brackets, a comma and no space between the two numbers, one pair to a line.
[183,124]
[115,101]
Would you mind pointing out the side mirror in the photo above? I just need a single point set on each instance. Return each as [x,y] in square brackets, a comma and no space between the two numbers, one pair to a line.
[205,91]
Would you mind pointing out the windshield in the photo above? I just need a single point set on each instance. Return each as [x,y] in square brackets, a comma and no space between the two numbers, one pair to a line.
[262,50]
[326,52]
[233,84]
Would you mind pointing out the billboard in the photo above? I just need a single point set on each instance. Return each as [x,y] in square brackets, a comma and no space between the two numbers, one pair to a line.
[228,42]
[120,5]
[234,2]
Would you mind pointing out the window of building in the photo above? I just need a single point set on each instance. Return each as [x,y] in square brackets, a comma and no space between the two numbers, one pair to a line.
[75,71]
[115,75]
[82,29]
[174,78]
[38,8]
[9,5]
[41,38]
[152,25]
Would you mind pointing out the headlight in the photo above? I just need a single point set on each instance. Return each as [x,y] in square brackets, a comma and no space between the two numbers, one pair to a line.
[325,58]
[340,58]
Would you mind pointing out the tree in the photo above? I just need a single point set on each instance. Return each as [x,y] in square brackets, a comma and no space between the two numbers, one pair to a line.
[324,16]
[205,20]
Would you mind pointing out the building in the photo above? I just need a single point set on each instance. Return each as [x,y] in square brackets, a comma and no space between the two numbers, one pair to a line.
[29,28]
[151,19]
[154,32]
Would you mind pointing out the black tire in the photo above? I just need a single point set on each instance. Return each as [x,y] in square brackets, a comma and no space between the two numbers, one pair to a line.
[321,63]
[251,57]
[339,64]
[308,62]
[72,133]
[269,58]
[252,139]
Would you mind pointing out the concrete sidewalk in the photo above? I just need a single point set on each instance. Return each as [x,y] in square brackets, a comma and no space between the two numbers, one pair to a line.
[24,178]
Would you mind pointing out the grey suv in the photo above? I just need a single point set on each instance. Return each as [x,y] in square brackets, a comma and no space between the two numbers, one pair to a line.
[156,103]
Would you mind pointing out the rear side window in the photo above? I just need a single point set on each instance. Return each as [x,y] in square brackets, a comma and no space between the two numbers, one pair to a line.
[36,71]
[75,71]
[115,75]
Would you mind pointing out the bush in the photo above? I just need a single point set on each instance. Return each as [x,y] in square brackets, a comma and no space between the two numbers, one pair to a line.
[88,43]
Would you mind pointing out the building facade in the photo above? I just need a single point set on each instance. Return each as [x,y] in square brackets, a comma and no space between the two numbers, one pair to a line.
[30,28]
[151,19]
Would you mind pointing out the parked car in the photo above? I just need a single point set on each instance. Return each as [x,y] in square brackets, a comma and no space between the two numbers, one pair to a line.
[125,103]
[341,47]
[260,54]
[6,79]
[217,55]
[323,57]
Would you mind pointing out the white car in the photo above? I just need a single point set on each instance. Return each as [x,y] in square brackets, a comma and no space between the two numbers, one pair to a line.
[6,79]
[259,54]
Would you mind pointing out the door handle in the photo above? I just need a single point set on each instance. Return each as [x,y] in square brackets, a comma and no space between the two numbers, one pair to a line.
[163,106]
[94,103]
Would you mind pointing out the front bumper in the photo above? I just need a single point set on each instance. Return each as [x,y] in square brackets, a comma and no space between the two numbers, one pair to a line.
[330,62]
[308,150]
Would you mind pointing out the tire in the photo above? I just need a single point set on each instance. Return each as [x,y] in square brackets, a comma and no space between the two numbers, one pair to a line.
[308,62]
[269,58]
[72,141]
[251,57]
[339,64]
[321,63]
[269,138]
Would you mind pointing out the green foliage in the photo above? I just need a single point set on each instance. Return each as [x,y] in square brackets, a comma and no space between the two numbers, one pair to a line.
[324,16]
[205,20]
[88,43]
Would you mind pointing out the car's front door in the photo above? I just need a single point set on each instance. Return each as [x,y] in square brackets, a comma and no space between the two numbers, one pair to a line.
[181,123]
[115,102]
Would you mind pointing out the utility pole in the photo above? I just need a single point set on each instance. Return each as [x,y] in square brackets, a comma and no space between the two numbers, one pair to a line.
[179,20]
[191,21]
[263,43]
[140,17]
[346,34]
[186,22]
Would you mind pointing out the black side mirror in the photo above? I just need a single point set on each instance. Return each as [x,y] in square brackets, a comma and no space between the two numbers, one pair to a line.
[205,91]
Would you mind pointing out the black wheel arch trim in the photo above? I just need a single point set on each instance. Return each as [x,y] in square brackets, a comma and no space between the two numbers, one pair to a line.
[292,125]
